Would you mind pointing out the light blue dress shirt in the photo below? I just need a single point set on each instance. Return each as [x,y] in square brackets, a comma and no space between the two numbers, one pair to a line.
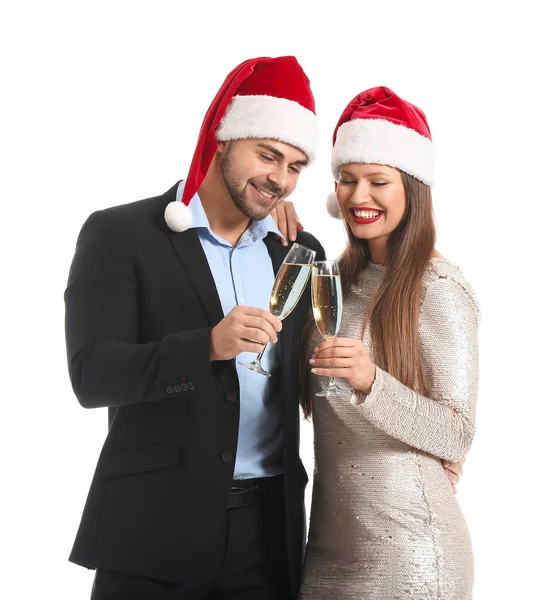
[244,276]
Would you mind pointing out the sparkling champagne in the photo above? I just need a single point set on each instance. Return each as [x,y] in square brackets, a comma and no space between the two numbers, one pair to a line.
[288,288]
[327,303]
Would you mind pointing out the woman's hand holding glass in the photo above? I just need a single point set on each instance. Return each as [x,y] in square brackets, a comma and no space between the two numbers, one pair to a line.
[346,358]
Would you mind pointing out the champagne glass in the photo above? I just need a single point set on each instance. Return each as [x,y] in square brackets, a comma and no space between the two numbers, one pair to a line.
[289,286]
[327,306]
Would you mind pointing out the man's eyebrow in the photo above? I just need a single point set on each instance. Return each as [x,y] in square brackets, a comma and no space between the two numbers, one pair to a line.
[276,152]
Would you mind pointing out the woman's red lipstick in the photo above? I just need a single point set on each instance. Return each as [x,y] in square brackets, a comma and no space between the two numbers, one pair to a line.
[365,220]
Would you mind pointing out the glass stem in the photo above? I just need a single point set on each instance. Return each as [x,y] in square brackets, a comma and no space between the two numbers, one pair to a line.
[260,354]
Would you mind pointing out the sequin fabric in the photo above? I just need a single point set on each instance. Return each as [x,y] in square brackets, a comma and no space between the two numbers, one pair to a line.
[385,524]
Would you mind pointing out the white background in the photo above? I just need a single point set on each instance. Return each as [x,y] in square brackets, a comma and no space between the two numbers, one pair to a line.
[101,105]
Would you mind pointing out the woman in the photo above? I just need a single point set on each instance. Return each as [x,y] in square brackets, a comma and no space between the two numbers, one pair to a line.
[384,521]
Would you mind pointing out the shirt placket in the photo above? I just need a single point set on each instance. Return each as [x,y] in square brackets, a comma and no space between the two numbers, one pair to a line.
[236,279]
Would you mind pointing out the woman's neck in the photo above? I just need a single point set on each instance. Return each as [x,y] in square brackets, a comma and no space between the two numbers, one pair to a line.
[378,251]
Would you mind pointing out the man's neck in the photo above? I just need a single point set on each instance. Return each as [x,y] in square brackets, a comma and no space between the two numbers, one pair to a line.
[225,219]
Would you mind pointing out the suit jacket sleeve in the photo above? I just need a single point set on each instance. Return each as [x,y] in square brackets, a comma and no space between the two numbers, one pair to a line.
[107,365]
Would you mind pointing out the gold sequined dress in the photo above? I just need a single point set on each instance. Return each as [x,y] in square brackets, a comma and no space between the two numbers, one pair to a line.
[385,524]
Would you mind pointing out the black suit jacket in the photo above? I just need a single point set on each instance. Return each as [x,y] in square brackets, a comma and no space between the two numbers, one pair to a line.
[140,306]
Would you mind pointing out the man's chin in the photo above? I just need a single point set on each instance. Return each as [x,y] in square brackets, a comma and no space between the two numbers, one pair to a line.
[258,216]
[256,213]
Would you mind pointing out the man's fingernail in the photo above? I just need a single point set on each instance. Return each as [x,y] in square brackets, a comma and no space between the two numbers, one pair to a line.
[315,349]
[293,238]
[311,361]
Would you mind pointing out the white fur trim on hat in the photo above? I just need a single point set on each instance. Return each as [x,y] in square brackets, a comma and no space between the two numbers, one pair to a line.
[178,216]
[378,141]
[273,118]
[333,206]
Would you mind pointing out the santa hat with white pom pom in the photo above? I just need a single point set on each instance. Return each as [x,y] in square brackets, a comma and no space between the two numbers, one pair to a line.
[261,98]
[379,127]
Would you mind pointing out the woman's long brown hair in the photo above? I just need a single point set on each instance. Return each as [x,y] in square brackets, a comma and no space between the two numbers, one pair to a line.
[393,317]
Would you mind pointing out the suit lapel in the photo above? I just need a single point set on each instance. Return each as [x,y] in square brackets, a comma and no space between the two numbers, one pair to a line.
[276,251]
[190,252]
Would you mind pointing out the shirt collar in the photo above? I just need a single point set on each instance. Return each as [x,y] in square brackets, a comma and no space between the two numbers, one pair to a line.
[256,230]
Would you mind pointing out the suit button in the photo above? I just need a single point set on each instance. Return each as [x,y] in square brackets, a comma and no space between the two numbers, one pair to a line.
[169,389]
[177,388]
[227,457]
[185,387]
[231,396]
[192,386]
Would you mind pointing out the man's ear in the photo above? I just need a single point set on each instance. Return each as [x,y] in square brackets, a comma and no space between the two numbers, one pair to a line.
[222,146]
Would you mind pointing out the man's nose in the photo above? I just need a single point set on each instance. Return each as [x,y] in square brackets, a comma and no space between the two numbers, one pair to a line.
[278,176]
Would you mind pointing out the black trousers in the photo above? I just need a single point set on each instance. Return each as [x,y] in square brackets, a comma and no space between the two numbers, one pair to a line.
[254,566]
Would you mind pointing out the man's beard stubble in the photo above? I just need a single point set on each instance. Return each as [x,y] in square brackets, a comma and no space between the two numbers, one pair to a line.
[231,181]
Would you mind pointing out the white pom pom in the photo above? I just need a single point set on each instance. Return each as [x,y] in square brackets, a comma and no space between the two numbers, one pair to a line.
[178,216]
[333,206]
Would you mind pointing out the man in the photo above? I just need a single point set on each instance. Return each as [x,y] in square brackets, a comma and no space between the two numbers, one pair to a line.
[199,489]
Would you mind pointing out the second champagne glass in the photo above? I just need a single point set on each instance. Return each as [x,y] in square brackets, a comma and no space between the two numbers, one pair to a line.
[327,307]
[289,285]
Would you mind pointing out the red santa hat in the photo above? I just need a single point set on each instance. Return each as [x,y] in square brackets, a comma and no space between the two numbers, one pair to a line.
[379,127]
[260,98]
